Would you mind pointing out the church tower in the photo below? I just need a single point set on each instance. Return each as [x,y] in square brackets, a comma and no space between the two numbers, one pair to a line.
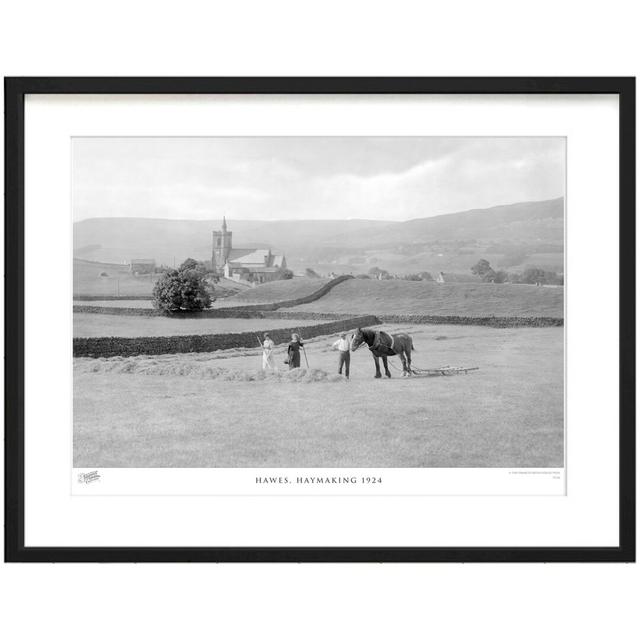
[222,245]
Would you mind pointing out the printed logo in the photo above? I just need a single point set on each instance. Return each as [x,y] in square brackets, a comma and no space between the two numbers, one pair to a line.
[87,478]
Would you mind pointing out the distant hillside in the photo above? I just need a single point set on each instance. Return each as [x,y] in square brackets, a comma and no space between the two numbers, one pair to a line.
[516,234]
[525,222]
[118,239]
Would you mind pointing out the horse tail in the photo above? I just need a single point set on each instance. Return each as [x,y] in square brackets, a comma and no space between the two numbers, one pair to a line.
[412,347]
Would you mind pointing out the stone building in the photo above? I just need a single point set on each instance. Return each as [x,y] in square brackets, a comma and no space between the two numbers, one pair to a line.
[142,265]
[250,264]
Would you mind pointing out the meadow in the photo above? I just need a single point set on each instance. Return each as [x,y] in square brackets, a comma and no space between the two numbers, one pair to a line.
[95,325]
[277,291]
[404,297]
[88,280]
[361,296]
[119,303]
[110,279]
[220,410]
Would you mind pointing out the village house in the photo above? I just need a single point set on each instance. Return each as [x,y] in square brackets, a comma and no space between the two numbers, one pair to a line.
[139,266]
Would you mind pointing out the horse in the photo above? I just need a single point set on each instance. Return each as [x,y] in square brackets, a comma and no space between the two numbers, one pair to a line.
[383,345]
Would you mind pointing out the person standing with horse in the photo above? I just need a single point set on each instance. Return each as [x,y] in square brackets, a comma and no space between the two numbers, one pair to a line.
[344,358]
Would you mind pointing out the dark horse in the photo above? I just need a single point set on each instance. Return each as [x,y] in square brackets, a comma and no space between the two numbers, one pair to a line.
[383,345]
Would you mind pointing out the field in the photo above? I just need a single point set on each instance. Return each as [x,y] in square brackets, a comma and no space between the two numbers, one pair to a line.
[219,409]
[361,296]
[87,280]
[428,298]
[90,325]
[122,302]
[278,291]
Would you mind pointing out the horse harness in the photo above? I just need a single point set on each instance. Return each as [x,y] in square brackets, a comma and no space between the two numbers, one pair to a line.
[383,343]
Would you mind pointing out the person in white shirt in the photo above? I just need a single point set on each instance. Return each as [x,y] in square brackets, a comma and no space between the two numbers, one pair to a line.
[268,361]
[343,345]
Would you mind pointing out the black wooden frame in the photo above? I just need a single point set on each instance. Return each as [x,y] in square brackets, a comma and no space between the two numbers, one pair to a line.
[15,91]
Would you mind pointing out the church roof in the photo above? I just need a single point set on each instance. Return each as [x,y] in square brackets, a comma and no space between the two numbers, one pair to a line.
[253,256]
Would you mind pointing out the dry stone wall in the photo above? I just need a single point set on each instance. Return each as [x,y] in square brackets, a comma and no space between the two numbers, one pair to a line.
[228,312]
[109,347]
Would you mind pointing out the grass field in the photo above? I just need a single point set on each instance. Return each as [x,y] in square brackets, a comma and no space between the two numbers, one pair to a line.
[122,302]
[428,298]
[118,281]
[278,291]
[90,325]
[219,410]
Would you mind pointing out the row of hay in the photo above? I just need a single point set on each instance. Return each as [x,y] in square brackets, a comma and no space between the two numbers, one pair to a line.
[198,369]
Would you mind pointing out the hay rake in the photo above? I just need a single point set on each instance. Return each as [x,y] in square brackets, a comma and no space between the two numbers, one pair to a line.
[447,370]
[443,371]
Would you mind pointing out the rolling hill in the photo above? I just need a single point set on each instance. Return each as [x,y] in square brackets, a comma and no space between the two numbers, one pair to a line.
[524,222]
[533,232]
[278,291]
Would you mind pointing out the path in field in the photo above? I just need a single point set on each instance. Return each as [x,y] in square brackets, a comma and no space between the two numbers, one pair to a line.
[202,410]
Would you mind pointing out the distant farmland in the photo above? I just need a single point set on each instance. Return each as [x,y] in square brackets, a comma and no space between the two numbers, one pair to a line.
[88,280]
[356,296]
[427,298]
[117,279]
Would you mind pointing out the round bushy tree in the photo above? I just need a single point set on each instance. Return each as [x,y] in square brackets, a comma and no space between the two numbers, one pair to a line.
[181,290]
[189,264]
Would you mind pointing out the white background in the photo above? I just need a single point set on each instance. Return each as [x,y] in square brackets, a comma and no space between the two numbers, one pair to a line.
[332,38]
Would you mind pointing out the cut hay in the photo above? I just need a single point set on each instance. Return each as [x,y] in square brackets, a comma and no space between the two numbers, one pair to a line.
[197,368]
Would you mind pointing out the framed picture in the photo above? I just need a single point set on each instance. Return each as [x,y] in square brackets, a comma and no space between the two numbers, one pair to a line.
[320,319]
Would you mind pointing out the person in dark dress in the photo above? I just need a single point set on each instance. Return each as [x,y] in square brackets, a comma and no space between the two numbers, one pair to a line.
[294,351]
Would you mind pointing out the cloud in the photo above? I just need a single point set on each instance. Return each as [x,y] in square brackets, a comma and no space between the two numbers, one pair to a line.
[327,178]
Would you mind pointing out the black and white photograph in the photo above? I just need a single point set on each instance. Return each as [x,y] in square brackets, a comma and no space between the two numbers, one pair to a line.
[318,302]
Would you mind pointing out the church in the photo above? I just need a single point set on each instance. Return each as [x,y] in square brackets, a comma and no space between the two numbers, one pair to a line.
[251,265]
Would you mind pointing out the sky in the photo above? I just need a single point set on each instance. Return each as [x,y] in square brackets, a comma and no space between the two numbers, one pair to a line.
[320,178]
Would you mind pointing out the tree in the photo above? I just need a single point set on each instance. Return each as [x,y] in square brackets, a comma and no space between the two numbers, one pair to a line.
[533,275]
[551,277]
[181,290]
[190,264]
[500,277]
[286,274]
[489,276]
[481,268]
